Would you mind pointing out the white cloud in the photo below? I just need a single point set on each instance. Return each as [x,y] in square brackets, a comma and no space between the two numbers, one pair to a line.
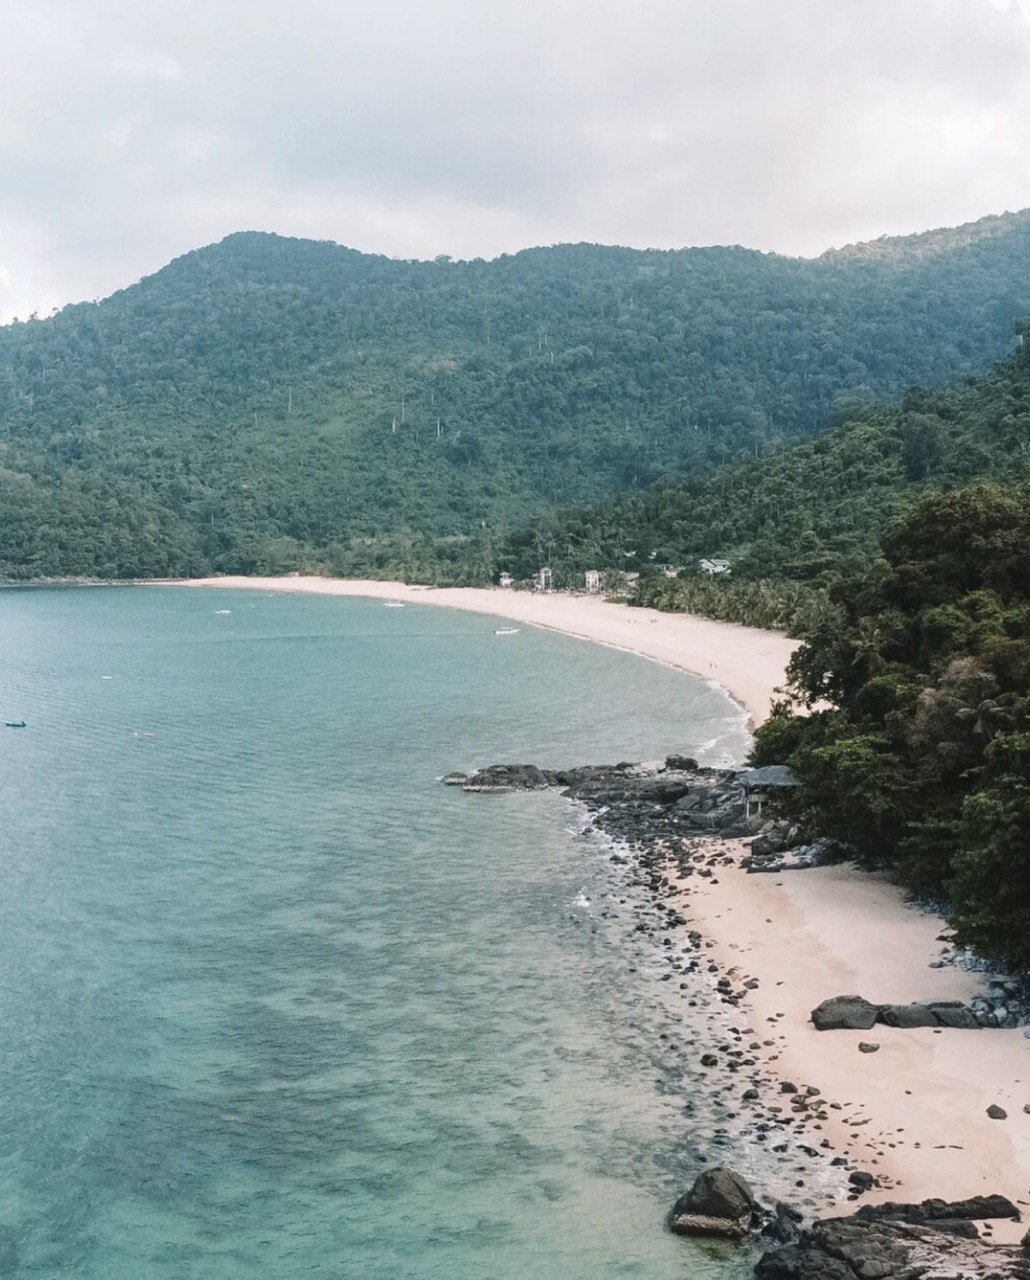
[132,133]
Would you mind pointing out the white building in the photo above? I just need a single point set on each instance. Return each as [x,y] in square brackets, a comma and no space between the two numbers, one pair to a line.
[505,580]
[715,566]
[592,580]
[545,579]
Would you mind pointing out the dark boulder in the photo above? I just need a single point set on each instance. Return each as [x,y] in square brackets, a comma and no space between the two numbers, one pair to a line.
[720,1203]
[908,1015]
[682,764]
[845,1013]
[784,1226]
[954,1014]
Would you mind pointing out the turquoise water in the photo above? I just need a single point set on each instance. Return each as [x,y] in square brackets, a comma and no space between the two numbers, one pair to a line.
[275,1003]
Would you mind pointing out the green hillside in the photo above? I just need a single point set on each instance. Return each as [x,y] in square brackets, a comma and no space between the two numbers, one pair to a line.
[809,513]
[268,403]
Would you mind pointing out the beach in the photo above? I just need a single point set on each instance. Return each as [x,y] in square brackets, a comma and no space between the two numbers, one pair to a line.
[913,1111]
[748,663]
[916,1109]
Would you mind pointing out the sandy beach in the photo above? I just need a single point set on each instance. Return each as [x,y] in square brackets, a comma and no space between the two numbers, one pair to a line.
[749,664]
[915,1109]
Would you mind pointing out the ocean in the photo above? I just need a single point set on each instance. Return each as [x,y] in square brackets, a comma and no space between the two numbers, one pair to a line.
[275,1003]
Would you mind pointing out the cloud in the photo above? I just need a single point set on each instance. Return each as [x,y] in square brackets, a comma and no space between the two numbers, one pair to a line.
[131,133]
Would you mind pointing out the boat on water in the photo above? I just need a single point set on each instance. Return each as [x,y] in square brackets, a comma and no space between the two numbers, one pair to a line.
[507,631]
[14,724]
[392,604]
[224,613]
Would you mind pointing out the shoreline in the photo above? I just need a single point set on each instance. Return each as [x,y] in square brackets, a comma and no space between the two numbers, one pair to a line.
[913,1112]
[746,663]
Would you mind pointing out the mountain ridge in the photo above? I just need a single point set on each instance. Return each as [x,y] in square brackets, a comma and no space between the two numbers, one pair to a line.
[272,402]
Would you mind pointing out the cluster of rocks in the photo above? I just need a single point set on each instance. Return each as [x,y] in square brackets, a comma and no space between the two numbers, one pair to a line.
[855,1013]
[930,1241]
[934,1240]
[678,797]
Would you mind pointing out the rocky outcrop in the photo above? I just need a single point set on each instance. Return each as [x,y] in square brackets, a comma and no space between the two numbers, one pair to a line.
[677,797]
[856,1013]
[507,777]
[975,1208]
[934,1240]
[720,1203]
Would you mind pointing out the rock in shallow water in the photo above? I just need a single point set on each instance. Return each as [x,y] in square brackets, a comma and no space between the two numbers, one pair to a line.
[720,1203]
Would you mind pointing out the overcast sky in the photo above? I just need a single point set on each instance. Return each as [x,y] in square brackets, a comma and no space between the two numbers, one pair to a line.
[134,130]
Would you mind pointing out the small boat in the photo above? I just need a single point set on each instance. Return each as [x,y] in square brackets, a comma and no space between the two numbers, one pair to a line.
[223,612]
[393,604]
[507,631]
[14,724]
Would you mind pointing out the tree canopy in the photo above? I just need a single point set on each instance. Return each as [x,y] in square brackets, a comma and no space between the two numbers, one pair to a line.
[268,403]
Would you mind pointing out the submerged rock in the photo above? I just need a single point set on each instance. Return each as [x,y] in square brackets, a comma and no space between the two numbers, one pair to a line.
[720,1203]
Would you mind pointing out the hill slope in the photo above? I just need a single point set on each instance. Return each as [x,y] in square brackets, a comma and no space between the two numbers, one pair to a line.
[266,403]
[814,511]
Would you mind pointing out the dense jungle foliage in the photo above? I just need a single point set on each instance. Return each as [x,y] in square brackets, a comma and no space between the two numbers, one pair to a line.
[271,404]
[916,747]
[804,516]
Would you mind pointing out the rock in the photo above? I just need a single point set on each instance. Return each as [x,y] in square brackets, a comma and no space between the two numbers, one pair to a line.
[507,777]
[996,1112]
[861,1180]
[954,1014]
[975,1208]
[681,764]
[774,837]
[907,1015]
[709,1060]
[865,1047]
[784,1226]
[719,1203]
[875,1248]
[845,1013]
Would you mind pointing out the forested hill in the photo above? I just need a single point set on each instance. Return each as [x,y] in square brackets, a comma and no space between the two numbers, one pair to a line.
[268,403]
[813,512]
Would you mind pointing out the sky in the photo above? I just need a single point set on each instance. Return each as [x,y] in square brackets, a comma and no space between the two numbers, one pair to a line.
[132,131]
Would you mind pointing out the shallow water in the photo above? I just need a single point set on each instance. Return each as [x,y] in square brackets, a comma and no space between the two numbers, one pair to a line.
[275,1003]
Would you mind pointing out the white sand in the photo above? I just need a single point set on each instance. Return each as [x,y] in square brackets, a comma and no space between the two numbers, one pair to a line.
[749,664]
[808,935]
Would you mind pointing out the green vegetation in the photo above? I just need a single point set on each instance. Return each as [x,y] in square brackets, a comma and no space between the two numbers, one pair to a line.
[270,404]
[804,516]
[917,748]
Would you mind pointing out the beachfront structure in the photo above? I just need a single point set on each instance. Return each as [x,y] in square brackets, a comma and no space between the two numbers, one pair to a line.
[715,566]
[760,784]
[545,579]
[592,579]
[505,580]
